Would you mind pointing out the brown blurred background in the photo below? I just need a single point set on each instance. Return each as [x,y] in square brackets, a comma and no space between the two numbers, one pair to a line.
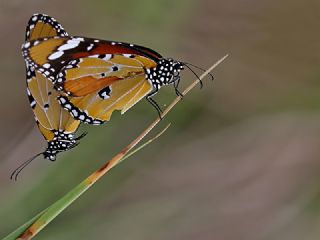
[241,159]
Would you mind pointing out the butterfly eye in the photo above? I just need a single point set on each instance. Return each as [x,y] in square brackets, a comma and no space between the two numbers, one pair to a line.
[176,73]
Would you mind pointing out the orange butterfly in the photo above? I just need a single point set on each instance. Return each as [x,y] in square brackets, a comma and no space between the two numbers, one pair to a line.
[56,124]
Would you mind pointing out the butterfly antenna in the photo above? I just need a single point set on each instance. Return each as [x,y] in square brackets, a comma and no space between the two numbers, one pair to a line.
[195,66]
[17,171]
[200,81]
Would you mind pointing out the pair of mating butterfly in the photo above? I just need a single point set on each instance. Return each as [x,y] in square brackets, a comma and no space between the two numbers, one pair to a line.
[73,80]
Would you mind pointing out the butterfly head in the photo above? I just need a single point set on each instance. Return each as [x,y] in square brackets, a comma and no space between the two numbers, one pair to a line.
[177,67]
[166,72]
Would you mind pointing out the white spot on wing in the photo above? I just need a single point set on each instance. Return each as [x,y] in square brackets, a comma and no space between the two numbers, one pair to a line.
[74,113]
[46,65]
[69,45]
[55,55]
[104,95]
[90,47]
[62,100]
[128,55]
[107,57]
[32,104]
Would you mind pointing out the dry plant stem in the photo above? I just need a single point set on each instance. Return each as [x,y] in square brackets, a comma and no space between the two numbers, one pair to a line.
[42,221]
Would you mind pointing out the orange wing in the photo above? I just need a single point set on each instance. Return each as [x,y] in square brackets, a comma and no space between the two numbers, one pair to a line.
[87,75]
[56,124]
[97,107]
[41,25]
[101,84]
[49,115]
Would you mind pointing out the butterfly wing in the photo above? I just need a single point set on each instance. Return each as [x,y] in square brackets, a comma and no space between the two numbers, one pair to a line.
[49,115]
[97,107]
[103,85]
[41,25]
[87,75]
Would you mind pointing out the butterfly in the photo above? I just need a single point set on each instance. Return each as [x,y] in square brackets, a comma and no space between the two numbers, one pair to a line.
[56,124]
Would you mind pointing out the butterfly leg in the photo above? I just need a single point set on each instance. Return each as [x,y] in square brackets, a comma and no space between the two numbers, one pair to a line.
[73,145]
[176,84]
[81,136]
[153,102]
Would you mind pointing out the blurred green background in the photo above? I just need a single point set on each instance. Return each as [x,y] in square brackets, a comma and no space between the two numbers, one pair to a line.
[242,157]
